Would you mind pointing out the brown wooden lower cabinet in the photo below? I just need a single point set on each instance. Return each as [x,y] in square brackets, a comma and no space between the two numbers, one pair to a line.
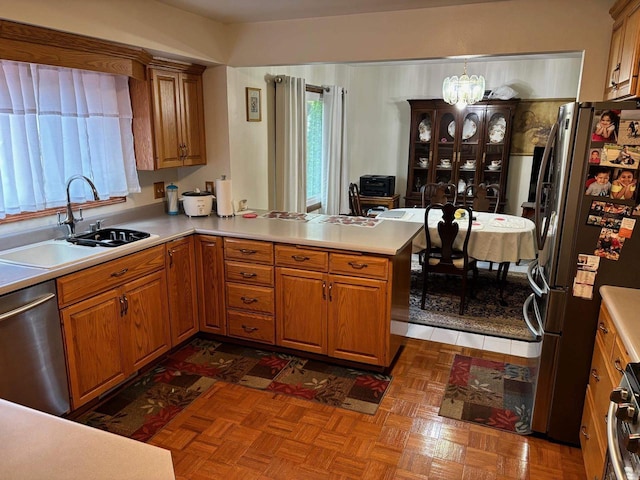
[114,330]
[210,281]
[181,283]
[609,359]
[342,316]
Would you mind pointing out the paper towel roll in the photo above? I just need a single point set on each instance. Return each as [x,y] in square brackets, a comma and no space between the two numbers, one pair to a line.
[224,197]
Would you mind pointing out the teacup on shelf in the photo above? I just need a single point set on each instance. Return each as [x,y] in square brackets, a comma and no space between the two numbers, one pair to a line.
[445,162]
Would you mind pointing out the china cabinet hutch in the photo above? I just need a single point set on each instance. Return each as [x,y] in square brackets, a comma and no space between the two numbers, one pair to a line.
[459,146]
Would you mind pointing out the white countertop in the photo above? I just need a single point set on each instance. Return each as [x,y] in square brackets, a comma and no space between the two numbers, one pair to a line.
[38,446]
[386,238]
[623,305]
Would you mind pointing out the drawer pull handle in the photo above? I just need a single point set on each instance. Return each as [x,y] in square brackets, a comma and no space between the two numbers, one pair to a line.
[602,328]
[358,265]
[617,363]
[300,258]
[246,251]
[583,431]
[121,300]
[249,329]
[324,290]
[594,374]
[248,300]
[120,273]
[170,252]
[248,274]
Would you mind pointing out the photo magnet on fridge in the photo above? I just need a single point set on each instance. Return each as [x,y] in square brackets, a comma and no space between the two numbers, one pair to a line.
[629,129]
[606,126]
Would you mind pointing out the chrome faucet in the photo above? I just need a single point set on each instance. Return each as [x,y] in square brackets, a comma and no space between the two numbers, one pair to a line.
[71,220]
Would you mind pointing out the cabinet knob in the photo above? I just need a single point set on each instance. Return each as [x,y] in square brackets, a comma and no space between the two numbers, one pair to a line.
[583,432]
[594,374]
[602,328]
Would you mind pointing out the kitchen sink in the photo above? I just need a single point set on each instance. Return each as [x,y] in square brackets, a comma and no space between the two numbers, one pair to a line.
[48,254]
[108,237]
[58,253]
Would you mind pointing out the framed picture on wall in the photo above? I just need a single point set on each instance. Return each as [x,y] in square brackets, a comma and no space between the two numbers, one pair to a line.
[254,105]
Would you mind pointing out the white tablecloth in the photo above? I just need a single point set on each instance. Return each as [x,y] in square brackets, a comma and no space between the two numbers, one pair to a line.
[495,237]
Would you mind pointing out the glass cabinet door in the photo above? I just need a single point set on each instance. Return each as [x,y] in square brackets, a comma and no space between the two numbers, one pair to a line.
[495,157]
[469,151]
[421,153]
[446,145]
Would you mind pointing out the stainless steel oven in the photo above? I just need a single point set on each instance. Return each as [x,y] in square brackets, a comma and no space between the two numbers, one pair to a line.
[623,429]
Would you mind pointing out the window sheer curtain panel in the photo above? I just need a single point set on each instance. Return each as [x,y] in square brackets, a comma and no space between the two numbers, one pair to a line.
[291,144]
[57,122]
[335,181]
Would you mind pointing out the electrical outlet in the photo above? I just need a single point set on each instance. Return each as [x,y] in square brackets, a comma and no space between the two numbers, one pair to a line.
[158,190]
[208,186]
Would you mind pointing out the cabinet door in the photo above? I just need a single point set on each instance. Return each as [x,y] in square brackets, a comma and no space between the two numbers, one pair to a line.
[166,118]
[181,283]
[458,147]
[358,323]
[95,359]
[192,124]
[145,332]
[420,149]
[622,80]
[301,310]
[209,268]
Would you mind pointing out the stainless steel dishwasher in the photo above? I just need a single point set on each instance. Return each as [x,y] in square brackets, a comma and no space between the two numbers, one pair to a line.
[32,366]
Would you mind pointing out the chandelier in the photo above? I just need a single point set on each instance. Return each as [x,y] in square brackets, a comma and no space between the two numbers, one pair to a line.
[464,90]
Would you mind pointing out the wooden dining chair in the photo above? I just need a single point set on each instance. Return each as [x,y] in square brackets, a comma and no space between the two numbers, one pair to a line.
[482,198]
[355,206]
[446,258]
[432,193]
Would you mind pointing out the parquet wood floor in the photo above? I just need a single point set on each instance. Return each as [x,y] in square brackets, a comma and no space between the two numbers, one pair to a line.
[233,432]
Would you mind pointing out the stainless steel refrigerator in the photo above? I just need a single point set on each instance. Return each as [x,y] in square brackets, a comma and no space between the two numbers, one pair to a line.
[575,225]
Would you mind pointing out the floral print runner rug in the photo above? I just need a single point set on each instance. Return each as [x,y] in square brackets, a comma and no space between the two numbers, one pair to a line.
[146,406]
[490,393]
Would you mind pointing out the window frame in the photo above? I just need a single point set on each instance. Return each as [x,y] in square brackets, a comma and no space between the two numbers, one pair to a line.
[314,203]
[30,44]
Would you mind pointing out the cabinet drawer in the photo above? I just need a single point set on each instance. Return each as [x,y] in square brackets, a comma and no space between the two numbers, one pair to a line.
[619,359]
[249,273]
[600,381]
[606,332]
[88,282]
[246,297]
[302,258]
[251,326]
[593,445]
[359,265]
[248,250]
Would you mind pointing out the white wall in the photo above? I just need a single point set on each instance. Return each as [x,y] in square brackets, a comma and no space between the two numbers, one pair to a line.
[511,26]
[379,114]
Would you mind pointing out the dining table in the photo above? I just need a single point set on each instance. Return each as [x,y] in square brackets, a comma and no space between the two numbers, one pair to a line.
[495,237]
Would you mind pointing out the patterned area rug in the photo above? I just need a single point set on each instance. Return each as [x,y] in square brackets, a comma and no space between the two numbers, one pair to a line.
[490,393]
[484,314]
[144,407]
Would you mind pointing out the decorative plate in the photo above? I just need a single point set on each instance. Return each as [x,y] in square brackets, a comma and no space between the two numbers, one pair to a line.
[496,135]
[452,128]
[425,130]
[469,129]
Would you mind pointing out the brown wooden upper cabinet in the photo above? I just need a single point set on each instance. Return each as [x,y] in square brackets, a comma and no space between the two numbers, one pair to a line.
[168,112]
[624,54]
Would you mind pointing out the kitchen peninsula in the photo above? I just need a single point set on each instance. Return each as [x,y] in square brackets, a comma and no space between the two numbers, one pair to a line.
[331,286]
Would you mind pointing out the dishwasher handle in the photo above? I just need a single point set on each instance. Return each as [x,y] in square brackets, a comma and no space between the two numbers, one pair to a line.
[29,306]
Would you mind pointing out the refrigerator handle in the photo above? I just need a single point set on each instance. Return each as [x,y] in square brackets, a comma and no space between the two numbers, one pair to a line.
[537,289]
[541,234]
[539,331]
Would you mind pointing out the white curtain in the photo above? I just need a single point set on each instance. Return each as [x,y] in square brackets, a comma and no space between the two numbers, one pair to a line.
[335,175]
[58,122]
[290,145]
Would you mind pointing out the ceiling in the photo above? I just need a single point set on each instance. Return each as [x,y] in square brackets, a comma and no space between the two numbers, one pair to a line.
[245,11]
